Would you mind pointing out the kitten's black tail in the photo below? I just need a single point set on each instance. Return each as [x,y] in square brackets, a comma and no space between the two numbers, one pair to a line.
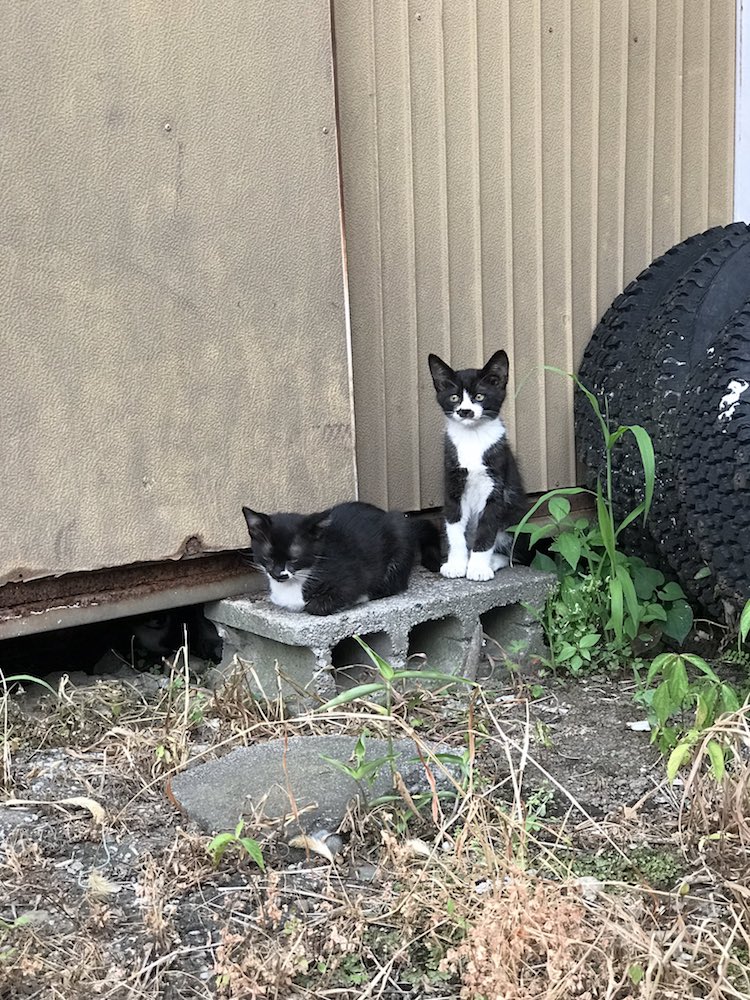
[428,536]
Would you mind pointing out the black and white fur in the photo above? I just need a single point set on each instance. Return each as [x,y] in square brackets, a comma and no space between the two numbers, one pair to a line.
[354,552]
[484,492]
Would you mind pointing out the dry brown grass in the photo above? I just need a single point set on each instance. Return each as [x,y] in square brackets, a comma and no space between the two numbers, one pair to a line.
[474,899]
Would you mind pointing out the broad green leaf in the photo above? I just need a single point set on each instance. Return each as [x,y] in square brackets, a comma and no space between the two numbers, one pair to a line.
[645,579]
[700,664]
[663,704]
[559,508]
[716,756]
[679,621]
[653,613]
[729,700]
[745,622]
[659,664]
[539,531]
[678,682]
[705,708]
[677,758]
[544,563]
[569,547]
[254,850]
[636,973]
[384,668]
[589,640]
[671,591]
[545,498]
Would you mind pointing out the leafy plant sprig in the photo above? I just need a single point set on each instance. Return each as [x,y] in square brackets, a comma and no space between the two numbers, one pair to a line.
[222,841]
[605,599]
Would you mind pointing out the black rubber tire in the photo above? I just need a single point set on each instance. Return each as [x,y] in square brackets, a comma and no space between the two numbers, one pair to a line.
[702,304]
[610,359]
[618,367]
[712,462]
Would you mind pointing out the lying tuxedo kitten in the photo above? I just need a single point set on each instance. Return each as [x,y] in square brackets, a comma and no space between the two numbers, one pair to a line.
[326,562]
[484,493]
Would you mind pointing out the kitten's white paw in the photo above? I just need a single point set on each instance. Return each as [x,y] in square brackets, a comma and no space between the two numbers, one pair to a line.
[481,566]
[479,571]
[500,560]
[453,569]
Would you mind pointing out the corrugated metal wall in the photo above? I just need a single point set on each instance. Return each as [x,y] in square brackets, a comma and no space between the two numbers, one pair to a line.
[507,168]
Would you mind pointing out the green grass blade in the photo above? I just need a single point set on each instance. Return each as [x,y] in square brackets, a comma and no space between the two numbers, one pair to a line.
[19,678]
[361,691]
[745,623]
[384,668]
[432,675]
[646,448]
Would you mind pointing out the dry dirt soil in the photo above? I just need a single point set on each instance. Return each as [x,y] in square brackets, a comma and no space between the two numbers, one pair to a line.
[564,866]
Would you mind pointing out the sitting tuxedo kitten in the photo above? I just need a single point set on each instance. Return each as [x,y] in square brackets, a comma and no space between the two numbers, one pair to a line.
[326,562]
[484,493]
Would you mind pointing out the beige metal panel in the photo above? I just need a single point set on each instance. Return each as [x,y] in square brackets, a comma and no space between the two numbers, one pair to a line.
[535,154]
[666,227]
[556,226]
[172,312]
[721,116]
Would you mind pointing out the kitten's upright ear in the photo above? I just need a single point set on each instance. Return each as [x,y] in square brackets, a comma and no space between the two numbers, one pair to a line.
[315,524]
[257,524]
[443,375]
[496,370]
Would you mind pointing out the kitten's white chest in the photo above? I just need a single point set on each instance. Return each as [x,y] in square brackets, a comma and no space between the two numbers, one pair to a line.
[471,442]
[288,593]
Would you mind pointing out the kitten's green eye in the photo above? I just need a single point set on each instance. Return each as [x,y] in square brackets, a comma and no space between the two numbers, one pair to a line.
[454,398]
[479,397]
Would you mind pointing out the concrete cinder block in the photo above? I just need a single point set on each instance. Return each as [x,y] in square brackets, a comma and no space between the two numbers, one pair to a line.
[296,655]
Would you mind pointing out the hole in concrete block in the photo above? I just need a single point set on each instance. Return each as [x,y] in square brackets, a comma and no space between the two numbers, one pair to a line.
[514,636]
[352,665]
[441,644]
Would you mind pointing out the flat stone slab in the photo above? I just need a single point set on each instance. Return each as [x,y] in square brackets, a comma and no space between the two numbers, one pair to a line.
[429,597]
[280,777]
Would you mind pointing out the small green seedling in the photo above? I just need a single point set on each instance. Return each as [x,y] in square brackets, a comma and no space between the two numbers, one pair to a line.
[222,841]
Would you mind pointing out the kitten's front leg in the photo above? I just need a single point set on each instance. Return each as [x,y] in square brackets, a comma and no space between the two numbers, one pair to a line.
[458,554]
[481,565]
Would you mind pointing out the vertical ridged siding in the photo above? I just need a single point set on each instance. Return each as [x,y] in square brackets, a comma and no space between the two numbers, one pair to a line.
[507,168]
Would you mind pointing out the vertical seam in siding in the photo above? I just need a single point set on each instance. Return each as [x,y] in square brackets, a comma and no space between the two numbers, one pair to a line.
[416,484]
[678,121]
[623,138]
[567,241]
[652,126]
[539,228]
[596,108]
[344,259]
[507,175]
[379,237]
[706,110]
[477,178]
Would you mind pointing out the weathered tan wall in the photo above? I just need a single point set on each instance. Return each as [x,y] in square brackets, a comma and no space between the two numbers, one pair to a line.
[173,338]
[507,168]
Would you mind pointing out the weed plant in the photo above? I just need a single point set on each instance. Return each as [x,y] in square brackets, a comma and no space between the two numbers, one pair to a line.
[606,601]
